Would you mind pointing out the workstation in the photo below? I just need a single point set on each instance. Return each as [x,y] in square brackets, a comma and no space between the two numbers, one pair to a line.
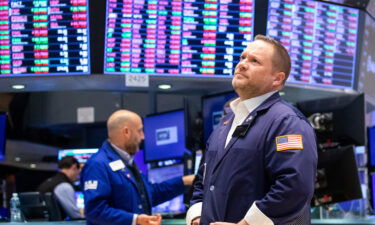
[67,66]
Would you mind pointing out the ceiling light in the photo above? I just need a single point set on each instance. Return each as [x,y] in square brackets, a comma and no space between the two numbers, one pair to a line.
[18,86]
[164,86]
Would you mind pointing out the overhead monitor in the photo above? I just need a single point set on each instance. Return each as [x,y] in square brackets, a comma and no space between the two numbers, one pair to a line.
[82,155]
[177,38]
[3,122]
[165,136]
[44,37]
[213,110]
[160,174]
[321,39]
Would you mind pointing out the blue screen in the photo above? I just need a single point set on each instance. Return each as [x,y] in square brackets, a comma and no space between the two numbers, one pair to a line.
[82,155]
[371,143]
[3,122]
[164,136]
[157,175]
[212,111]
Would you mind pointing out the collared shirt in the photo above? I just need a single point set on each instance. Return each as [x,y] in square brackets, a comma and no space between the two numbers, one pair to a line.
[129,160]
[241,110]
[123,154]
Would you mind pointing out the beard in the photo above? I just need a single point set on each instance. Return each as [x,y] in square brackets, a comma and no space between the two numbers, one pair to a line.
[132,148]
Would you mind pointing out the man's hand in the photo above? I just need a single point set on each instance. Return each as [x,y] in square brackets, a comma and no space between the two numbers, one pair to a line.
[242,222]
[196,221]
[144,219]
[188,180]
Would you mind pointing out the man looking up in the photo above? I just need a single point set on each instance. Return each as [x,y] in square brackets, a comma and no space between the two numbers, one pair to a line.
[260,162]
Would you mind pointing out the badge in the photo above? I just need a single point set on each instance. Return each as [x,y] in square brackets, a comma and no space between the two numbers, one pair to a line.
[91,184]
[117,165]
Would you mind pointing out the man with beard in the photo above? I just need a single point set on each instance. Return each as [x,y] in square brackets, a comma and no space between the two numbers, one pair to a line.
[260,162]
[115,191]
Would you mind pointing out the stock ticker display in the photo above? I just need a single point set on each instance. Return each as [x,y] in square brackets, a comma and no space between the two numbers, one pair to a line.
[44,37]
[321,39]
[176,37]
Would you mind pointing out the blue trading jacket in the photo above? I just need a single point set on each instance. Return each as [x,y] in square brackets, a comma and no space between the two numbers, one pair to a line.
[251,169]
[111,197]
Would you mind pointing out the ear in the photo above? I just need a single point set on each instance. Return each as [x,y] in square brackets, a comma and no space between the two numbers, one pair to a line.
[279,79]
[125,131]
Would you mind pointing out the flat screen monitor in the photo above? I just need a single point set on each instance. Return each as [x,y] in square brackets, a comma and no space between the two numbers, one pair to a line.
[213,110]
[321,39]
[3,122]
[160,174]
[371,145]
[82,155]
[337,176]
[165,136]
[176,38]
[337,120]
[44,38]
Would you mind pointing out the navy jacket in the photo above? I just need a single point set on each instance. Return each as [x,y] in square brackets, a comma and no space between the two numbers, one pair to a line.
[111,197]
[251,169]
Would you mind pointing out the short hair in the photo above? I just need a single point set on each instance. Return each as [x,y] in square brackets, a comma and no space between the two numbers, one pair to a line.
[68,161]
[281,58]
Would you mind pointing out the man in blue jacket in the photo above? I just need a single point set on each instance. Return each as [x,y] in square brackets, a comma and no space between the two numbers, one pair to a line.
[261,160]
[115,191]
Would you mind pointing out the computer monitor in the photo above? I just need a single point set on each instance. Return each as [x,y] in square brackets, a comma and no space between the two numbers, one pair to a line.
[337,177]
[3,122]
[371,144]
[177,38]
[165,135]
[212,111]
[338,120]
[321,38]
[166,172]
[44,38]
[81,154]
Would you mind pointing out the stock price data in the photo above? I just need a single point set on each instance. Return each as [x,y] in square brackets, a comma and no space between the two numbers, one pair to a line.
[177,37]
[321,39]
[44,37]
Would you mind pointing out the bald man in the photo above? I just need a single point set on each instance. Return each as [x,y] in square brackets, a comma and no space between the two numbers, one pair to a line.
[115,191]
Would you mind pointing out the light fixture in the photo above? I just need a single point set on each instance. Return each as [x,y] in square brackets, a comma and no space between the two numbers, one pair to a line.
[282,93]
[164,86]
[18,86]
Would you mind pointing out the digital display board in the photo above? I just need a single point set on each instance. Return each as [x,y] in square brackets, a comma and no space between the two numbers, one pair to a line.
[321,39]
[3,122]
[44,37]
[175,37]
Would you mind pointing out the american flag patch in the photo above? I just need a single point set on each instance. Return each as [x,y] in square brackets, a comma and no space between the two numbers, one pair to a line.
[286,142]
